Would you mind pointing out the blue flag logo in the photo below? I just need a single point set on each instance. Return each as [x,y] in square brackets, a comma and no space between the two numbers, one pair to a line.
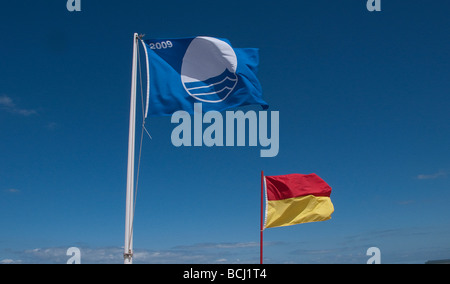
[209,69]
[203,69]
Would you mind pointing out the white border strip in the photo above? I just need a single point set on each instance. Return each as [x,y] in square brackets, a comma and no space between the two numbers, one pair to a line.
[265,195]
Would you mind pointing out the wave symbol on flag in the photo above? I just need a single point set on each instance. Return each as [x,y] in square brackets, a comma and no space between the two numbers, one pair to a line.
[209,68]
[216,88]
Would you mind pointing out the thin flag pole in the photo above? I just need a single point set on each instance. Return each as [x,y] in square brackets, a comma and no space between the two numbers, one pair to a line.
[262,222]
[129,213]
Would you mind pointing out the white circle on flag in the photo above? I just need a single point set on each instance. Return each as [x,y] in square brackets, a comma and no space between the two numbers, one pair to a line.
[208,71]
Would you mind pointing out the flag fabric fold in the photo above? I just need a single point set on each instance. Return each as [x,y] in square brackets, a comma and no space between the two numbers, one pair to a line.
[207,70]
[295,199]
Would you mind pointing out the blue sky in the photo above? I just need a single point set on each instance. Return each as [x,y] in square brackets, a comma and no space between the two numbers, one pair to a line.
[363,101]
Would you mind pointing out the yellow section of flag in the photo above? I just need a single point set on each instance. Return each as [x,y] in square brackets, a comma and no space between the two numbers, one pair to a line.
[298,210]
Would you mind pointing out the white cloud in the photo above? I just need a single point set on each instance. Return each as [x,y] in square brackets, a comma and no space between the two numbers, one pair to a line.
[51,126]
[218,246]
[12,190]
[439,174]
[6,101]
[8,104]
[196,253]
[10,261]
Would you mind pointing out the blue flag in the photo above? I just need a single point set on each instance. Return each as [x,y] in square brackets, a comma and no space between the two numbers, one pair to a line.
[205,70]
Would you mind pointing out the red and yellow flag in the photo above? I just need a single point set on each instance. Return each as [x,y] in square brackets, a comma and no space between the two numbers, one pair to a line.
[295,199]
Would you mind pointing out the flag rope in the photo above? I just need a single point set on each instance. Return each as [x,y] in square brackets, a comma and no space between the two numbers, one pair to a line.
[148,78]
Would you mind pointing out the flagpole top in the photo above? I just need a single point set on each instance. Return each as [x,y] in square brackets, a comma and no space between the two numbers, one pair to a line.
[139,36]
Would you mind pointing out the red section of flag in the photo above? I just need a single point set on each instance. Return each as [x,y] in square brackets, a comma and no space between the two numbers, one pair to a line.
[295,185]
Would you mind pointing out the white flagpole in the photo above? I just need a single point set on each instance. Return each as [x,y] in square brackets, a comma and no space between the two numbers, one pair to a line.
[128,251]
